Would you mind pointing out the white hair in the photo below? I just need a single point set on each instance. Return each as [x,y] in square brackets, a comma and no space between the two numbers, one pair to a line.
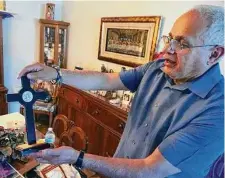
[213,34]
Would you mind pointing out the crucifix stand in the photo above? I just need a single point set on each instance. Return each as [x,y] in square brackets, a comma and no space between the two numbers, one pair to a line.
[27,97]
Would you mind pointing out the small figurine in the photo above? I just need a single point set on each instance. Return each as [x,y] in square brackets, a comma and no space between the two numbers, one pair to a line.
[103,69]
[123,68]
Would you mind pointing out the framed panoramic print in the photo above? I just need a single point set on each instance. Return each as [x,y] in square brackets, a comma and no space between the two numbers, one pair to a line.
[129,41]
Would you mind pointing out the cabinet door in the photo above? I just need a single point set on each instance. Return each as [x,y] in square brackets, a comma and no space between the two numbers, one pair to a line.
[62,45]
[110,143]
[63,107]
[48,44]
[93,130]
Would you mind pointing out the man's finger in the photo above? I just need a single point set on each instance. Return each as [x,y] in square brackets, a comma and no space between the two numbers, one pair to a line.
[30,68]
[36,155]
[22,73]
[51,152]
[40,160]
[33,76]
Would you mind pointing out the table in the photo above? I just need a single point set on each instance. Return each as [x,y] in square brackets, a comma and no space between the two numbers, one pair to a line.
[23,168]
[16,120]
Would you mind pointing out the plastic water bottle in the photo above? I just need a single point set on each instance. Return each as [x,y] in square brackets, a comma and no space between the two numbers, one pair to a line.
[50,136]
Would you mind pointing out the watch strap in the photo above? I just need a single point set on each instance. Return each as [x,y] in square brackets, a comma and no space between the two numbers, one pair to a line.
[79,161]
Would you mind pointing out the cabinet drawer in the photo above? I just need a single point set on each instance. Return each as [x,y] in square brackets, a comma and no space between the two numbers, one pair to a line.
[73,98]
[106,117]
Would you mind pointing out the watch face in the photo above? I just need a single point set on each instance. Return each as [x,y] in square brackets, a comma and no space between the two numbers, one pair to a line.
[27,96]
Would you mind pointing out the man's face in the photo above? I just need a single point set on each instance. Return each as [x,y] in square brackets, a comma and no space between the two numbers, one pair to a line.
[186,63]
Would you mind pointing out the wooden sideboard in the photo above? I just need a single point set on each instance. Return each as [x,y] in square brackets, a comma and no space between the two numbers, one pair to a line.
[3,90]
[3,104]
[102,122]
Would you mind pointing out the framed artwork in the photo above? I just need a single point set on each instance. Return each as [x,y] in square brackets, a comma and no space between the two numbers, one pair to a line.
[60,171]
[129,41]
[50,11]
[53,171]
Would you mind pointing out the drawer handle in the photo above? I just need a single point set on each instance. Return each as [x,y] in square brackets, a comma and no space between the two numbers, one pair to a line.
[107,154]
[96,112]
[121,125]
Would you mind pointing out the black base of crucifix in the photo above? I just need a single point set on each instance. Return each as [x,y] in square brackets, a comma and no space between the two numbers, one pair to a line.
[27,97]
[25,149]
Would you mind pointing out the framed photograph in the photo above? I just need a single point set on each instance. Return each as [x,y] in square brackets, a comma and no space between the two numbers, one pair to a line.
[129,41]
[50,11]
[127,98]
[2,5]
[53,171]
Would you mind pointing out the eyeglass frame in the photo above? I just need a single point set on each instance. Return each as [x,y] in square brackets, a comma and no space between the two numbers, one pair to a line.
[179,43]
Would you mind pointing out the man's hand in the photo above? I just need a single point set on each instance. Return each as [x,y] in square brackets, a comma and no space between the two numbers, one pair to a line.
[61,155]
[39,71]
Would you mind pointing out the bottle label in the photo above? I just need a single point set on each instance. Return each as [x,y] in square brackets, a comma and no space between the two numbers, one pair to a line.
[49,140]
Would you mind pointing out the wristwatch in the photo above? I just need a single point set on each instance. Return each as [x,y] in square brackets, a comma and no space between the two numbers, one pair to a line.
[79,162]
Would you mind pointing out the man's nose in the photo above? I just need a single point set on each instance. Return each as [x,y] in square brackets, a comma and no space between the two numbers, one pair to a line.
[168,49]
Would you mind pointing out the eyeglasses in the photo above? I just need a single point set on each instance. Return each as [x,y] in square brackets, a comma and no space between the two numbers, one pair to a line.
[177,45]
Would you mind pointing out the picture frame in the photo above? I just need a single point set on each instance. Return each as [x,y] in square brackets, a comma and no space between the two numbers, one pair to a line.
[50,11]
[53,170]
[3,5]
[127,98]
[59,171]
[129,41]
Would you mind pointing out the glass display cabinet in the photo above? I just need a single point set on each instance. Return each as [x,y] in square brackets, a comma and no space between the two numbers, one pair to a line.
[53,42]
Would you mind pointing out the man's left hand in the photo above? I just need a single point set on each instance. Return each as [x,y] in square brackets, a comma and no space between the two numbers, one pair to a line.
[61,155]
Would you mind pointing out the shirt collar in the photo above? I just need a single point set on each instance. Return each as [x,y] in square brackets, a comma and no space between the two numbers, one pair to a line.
[202,85]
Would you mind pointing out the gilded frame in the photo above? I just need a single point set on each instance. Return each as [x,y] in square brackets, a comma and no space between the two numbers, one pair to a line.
[129,41]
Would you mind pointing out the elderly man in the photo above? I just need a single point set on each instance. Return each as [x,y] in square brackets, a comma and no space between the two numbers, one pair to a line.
[175,128]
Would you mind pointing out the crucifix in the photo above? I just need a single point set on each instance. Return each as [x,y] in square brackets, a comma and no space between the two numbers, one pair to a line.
[27,97]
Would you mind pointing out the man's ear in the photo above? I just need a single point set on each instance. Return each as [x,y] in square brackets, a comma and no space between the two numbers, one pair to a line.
[216,54]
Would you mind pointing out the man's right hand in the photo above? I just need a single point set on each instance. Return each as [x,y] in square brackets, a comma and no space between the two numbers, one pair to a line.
[39,71]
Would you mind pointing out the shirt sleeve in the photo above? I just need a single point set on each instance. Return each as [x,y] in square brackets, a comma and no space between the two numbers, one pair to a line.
[194,148]
[132,78]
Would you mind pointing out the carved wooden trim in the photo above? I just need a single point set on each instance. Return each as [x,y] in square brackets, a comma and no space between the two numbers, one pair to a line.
[54,22]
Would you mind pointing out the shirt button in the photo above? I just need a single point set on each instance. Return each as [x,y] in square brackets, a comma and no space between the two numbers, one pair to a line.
[156,104]
[146,125]
[133,142]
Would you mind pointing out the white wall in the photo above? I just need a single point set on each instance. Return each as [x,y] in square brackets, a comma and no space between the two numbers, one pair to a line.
[21,33]
[21,40]
[85,20]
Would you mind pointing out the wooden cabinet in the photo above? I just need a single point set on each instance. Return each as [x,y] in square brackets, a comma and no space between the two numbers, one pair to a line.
[3,104]
[53,42]
[101,122]
[3,89]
